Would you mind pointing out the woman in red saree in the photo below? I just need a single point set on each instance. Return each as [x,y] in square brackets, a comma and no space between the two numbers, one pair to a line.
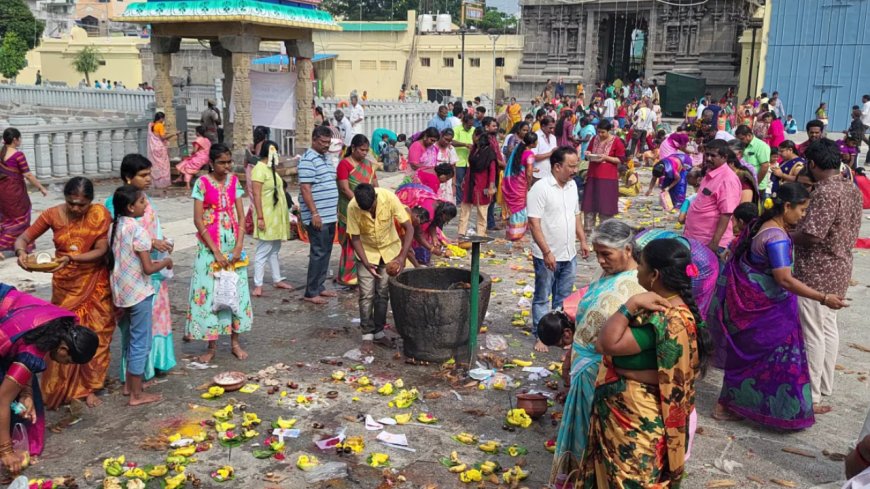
[81,285]
[14,202]
[31,330]
[601,195]
[353,170]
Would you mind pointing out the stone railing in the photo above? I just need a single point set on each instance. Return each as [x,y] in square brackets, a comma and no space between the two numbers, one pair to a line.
[59,148]
[130,101]
[400,117]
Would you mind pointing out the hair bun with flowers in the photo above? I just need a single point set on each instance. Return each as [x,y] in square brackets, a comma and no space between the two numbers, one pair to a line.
[692,270]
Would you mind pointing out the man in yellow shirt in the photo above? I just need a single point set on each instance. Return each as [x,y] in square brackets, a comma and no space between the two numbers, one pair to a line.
[370,224]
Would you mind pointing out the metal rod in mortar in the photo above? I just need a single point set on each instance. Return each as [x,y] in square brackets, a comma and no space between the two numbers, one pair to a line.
[475,296]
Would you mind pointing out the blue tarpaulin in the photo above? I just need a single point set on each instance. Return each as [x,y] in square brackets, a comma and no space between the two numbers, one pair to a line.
[281,59]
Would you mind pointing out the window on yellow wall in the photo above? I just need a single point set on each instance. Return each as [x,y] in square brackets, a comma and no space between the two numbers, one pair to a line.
[448,62]
[368,64]
[425,62]
[499,61]
[344,64]
[389,65]
[474,62]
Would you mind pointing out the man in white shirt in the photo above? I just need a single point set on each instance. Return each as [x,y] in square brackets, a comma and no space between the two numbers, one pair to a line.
[357,114]
[647,91]
[554,220]
[344,127]
[609,108]
[546,145]
[644,124]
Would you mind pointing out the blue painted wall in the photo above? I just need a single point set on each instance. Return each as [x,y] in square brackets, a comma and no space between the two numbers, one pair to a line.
[819,50]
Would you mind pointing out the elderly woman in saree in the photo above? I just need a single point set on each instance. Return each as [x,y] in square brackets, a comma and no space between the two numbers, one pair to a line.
[766,371]
[80,284]
[136,171]
[613,243]
[653,351]
[32,330]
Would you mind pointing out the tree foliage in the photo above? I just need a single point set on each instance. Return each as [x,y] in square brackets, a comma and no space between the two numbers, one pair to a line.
[16,17]
[366,10]
[87,61]
[12,53]
[496,20]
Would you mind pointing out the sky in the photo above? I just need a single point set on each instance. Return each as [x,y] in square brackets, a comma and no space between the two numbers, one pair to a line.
[508,6]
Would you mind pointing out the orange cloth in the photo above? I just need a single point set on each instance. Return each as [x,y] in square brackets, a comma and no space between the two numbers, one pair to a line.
[82,288]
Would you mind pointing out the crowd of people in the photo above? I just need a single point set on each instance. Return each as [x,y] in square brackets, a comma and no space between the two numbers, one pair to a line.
[764,238]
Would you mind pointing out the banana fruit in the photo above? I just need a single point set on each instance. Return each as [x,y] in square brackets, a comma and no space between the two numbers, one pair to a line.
[488,467]
[456,469]
[489,447]
[465,438]
[521,363]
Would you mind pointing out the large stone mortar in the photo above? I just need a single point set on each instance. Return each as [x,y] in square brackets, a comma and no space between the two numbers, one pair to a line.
[431,312]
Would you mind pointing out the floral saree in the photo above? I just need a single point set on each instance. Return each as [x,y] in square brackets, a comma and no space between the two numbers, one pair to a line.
[639,433]
[600,301]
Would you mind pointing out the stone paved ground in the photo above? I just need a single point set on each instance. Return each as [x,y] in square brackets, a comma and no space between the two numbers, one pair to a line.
[295,333]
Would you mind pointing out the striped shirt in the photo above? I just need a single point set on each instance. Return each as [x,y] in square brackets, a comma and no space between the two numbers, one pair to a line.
[317,171]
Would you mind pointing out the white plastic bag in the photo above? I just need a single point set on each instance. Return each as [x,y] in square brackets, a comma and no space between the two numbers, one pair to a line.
[226,292]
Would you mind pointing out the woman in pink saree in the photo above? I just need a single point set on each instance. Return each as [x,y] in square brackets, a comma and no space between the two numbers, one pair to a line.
[158,150]
[15,204]
[191,165]
[32,329]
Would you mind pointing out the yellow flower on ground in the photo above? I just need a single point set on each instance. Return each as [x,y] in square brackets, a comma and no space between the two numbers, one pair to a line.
[386,389]
[224,426]
[518,417]
[185,451]
[363,381]
[307,462]
[136,473]
[251,419]
[472,475]
[338,375]
[175,481]
[174,438]
[378,459]
[427,418]
[399,384]
[402,418]
[405,398]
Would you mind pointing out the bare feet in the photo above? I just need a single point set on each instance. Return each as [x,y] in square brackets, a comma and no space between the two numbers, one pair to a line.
[283,285]
[144,399]
[257,292]
[92,400]
[315,300]
[145,385]
[208,356]
[367,347]
[238,352]
[540,347]
[329,293]
[820,409]
[721,413]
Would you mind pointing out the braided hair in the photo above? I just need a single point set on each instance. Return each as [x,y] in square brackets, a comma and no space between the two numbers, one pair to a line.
[269,153]
[122,199]
[530,140]
[80,341]
[671,258]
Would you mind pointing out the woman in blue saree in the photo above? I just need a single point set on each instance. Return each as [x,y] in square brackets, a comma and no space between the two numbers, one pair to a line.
[613,243]
[671,173]
[766,372]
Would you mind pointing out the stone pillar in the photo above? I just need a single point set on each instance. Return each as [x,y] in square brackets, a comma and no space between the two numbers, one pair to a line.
[218,50]
[303,51]
[162,49]
[243,49]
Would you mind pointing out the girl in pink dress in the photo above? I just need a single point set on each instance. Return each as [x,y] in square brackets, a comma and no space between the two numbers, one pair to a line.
[193,163]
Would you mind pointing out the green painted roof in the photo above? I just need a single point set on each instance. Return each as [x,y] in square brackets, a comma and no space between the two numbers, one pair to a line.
[374,26]
[251,11]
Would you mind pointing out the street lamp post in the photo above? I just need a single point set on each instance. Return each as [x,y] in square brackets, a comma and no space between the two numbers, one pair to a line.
[462,58]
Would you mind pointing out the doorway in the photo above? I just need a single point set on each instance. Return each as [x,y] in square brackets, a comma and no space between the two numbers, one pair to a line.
[622,46]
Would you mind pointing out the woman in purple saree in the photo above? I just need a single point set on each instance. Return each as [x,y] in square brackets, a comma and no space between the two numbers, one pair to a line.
[30,330]
[766,372]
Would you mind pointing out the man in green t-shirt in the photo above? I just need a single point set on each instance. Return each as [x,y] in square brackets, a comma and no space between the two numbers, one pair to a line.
[463,138]
[757,154]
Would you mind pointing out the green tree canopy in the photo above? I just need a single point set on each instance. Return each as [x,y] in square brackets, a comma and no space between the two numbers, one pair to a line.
[494,19]
[12,53]
[16,17]
[87,61]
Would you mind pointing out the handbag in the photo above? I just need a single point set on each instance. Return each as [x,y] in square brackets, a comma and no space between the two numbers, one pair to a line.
[226,292]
